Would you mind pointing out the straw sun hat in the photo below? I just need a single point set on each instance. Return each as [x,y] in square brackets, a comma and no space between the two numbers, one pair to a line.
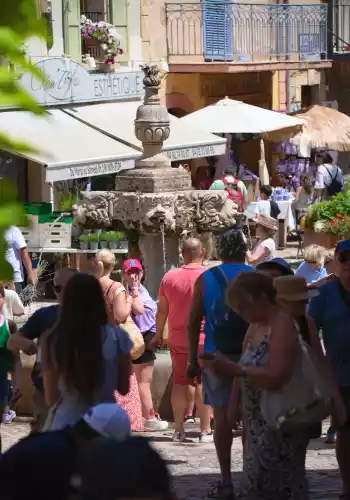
[266,221]
[293,288]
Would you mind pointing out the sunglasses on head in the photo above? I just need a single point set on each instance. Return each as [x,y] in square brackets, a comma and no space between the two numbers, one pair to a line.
[344,257]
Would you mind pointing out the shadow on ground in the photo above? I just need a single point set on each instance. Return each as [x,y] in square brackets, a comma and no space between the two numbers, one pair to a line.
[323,484]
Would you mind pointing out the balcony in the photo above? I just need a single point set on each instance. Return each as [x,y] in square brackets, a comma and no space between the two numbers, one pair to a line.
[341,27]
[229,32]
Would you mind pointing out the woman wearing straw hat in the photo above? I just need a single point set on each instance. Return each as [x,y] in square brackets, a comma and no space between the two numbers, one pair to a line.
[265,248]
[274,461]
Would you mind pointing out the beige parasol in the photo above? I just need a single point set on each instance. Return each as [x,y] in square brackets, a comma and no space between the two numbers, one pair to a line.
[263,171]
[324,128]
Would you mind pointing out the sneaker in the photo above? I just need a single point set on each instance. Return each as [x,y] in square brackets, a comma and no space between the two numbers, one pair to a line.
[212,425]
[9,417]
[156,424]
[206,437]
[189,419]
[179,437]
[331,438]
[222,492]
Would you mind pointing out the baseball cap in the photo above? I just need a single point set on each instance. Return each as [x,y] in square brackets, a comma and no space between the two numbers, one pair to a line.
[342,246]
[281,264]
[109,420]
[130,264]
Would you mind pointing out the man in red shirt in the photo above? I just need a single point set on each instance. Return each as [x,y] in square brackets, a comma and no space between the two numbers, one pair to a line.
[175,296]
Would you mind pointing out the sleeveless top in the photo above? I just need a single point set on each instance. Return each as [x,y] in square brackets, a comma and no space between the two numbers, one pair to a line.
[70,406]
[110,291]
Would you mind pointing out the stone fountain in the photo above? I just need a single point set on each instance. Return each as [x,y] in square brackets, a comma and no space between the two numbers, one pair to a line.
[155,199]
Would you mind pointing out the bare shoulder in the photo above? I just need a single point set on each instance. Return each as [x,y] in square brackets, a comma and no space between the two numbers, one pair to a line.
[283,325]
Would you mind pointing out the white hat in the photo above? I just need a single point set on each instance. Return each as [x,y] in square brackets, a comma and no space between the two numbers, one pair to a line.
[109,420]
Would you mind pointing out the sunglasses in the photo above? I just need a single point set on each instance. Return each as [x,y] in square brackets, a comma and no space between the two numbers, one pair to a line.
[57,288]
[344,257]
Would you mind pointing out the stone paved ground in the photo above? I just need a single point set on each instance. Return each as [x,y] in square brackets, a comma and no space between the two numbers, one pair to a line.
[195,467]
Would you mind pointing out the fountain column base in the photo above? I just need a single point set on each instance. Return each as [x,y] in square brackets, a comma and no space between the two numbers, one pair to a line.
[157,260]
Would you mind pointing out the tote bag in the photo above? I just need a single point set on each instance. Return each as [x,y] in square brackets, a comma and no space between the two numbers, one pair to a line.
[129,326]
[306,399]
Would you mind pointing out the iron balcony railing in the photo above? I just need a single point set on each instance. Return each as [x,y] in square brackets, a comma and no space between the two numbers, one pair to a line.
[341,26]
[227,31]
[96,16]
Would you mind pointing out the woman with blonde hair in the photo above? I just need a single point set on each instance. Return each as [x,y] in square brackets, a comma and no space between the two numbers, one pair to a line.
[312,269]
[265,249]
[119,307]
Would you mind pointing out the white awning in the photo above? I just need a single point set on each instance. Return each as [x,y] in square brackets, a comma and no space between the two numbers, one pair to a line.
[66,146]
[117,120]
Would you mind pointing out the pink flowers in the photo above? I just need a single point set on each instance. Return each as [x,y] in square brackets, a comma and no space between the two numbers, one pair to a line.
[105,33]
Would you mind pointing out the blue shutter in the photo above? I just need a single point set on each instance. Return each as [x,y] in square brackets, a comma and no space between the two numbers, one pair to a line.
[217,30]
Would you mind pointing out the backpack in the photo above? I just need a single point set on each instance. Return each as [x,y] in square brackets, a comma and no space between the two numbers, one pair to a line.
[336,186]
[234,192]
[229,329]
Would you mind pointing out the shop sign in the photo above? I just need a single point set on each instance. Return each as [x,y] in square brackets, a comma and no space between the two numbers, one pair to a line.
[191,153]
[76,172]
[69,83]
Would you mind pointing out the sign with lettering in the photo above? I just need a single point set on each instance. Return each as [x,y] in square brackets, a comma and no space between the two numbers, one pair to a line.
[76,172]
[195,152]
[69,83]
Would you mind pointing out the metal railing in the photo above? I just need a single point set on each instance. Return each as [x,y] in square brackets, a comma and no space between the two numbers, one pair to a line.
[246,32]
[341,26]
[96,16]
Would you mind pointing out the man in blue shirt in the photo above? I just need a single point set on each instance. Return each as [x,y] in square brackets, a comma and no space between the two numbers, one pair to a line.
[208,301]
[40,322]
[331,312]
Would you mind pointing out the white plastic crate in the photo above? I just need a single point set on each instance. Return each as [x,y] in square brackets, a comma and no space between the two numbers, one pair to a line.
[57,235]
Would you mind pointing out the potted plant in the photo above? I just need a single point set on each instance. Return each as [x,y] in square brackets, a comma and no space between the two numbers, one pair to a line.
[123,243]
[328,221]
[84,241]
[93,241]
[107,36]
[113,239]
[104,240]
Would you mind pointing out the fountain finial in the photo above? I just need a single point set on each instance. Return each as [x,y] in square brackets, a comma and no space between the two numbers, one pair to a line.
[152,76]
[152,126]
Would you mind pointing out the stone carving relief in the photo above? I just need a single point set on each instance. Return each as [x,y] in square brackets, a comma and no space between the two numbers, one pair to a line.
[149,212]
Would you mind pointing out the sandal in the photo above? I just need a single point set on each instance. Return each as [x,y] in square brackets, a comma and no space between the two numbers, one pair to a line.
[222,492]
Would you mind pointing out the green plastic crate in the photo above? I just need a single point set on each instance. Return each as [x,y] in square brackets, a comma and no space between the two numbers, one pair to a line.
[37,208]
[50,218]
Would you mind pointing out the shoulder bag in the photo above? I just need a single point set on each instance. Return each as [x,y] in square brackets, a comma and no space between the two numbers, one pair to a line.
[306,399]
[129,326]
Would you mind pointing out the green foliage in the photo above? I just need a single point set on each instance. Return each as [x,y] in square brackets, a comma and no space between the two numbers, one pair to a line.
[11,214]
[18,22]
[84,237]
[94,237]
[67,201]
[331,216]
[104,237]
[116,236]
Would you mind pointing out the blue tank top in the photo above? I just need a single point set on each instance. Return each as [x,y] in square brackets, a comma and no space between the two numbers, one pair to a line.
[212,294]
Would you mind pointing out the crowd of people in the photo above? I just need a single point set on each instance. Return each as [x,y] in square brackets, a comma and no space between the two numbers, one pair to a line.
[234,335]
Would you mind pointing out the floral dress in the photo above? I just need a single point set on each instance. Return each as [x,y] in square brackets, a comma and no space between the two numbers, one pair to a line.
[273,461]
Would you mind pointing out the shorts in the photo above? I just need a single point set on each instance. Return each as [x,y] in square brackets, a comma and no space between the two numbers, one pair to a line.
[148,356]
[345,393]
[217,391]
[179,360]
[4,391]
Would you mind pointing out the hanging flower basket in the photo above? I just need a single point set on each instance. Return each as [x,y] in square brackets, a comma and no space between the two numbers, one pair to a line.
[106,36]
